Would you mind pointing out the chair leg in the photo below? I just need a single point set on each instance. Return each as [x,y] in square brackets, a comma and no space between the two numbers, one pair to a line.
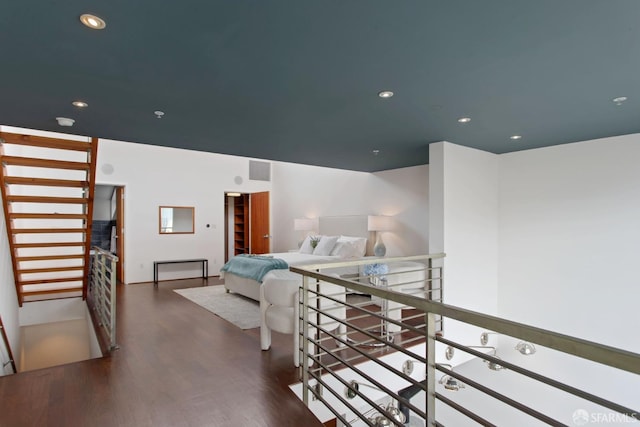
[265,337]
[265,331]
[342,333]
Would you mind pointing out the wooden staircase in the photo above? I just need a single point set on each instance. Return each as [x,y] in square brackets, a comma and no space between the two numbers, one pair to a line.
[47,193]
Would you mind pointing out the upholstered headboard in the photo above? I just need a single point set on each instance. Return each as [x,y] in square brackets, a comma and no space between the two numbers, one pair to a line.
[348,225]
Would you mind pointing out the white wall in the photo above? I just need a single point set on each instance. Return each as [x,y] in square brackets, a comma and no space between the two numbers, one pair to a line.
[8,300]
[404,194]
[565,220]
[463,214]
[570,239]
[155,176]
[170,176]
[101,209]
[302,191]
[565,224]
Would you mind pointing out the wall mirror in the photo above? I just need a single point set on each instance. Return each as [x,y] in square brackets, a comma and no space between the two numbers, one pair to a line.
[176,219]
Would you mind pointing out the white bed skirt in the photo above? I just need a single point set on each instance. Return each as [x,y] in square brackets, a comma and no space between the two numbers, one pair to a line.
[243,286]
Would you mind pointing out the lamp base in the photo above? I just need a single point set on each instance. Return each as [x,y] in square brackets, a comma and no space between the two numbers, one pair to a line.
[379,249]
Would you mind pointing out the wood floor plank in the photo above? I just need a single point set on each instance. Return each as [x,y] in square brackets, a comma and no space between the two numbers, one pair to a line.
[178,365]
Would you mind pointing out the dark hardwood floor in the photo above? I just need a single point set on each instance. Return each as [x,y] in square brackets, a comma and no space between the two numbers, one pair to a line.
[178,365]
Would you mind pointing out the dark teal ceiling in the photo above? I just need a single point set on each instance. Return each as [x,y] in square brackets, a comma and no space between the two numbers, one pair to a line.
[297,80]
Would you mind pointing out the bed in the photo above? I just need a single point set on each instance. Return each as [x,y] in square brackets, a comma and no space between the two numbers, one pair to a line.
[348,237]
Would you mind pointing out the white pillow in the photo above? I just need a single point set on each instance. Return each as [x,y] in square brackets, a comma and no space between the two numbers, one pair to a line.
[306,247]
[325,245]
[359,243]
[344,249]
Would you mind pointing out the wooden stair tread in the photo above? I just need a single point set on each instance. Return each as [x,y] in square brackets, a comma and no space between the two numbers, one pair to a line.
[45,182]
[52,291]
[48,257]
[47,245]
[48,230]
[47,199]
[44,163]
[45,142]
[46,216]
[50,269]
[45,281]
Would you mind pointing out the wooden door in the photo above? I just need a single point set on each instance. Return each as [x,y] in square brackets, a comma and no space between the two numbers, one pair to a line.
[120,233]
[260,226]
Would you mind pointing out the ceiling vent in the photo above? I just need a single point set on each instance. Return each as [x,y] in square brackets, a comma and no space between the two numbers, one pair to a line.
[259,171]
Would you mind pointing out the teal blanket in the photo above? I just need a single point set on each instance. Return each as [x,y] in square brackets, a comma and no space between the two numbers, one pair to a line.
[253,266]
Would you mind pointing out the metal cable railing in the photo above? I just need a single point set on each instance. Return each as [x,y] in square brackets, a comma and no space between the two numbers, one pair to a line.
[359,353]
[102,292]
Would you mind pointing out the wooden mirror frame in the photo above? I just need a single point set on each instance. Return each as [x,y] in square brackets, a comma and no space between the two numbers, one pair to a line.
[187,213]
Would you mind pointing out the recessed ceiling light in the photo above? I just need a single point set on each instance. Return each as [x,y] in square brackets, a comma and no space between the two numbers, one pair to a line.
[80,104]
[385,94]
[516,137]
[464,119]
[93,21]
[619,100]
[375,152]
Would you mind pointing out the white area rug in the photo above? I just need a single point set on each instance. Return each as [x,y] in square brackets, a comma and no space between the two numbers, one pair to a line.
[242,312]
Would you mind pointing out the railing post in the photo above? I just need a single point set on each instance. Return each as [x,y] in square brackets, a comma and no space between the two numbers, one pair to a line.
[112,302]
[305,339]
[103,279]
[430,320]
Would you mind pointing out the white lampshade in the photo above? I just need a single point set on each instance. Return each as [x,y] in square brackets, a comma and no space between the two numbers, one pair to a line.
[304,224]
[379,223]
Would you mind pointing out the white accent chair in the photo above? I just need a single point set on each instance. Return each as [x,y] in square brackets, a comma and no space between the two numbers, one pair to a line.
[279,308]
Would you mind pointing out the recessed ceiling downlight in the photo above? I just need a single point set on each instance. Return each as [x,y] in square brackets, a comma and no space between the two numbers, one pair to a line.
[464,119]
[516,137]
[619,100]
[385,94]
[80,104]
[93,21]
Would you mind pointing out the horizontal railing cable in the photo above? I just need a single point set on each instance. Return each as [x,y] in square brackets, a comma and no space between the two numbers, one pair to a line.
[365,325]
[585,349]
[501,397]
[371,380]
[346,363]
[545,380]
[475,417]
[369,334]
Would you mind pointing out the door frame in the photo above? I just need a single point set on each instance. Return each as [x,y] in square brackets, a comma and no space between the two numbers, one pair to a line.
[227,219]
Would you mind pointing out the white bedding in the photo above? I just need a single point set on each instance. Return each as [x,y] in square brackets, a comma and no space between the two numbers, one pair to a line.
[251,289]
[352,243]
[296,258]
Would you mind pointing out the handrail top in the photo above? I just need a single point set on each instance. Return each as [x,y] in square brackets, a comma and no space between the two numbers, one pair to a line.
[363,261]
[105,253]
